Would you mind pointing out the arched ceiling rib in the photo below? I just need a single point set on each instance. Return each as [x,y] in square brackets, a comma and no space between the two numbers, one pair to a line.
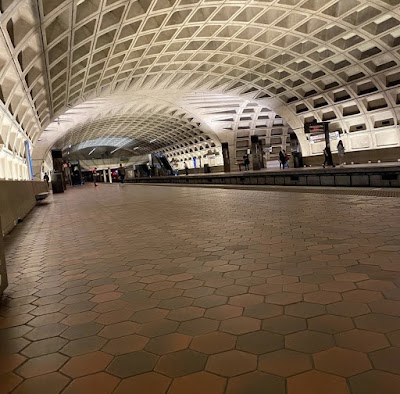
[335,60]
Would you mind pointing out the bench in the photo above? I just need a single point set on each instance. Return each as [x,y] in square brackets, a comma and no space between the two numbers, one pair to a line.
[41,196]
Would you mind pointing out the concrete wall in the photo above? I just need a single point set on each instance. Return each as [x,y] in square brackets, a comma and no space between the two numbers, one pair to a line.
[17,198]
[3,268]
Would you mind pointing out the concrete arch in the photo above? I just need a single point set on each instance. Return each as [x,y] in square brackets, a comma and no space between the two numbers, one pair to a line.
[333,60]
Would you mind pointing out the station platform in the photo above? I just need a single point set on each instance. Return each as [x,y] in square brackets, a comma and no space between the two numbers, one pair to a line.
[179,290]
[357,175]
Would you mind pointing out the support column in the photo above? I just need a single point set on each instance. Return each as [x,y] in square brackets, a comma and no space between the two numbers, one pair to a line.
[256,153]
[225,155]
[57,177]
[109,176]
[104,176]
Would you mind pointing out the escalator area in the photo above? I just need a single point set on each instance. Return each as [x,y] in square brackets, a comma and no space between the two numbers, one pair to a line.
[161,165]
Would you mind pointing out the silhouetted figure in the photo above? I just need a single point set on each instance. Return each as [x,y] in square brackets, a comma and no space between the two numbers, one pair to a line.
[340,150]
[121,173]
[46,178]
[282,159]
[95,177]
[246,162]
[186,169]
[328,160]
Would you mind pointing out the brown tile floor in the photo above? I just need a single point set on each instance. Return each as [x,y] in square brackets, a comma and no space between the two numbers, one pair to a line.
[151,289]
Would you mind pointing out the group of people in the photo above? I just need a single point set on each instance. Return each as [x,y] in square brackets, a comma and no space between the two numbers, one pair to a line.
[121,175]
[328,159]
[283,159]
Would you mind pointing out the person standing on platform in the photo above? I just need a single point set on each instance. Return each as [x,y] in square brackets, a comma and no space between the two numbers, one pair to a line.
[121,173]
[340,149]
[328,160]
[186,169]
[95,177]
[286,165]
[246,162]
[282,159]
[46,178]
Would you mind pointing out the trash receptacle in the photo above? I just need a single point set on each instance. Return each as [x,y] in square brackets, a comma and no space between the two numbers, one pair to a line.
[57,183]
[207,169]
[297,159]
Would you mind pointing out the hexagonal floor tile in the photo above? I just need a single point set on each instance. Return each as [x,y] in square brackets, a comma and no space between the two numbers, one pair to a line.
[246,300]
[223,312]
[305,310]
[378,322]
[98,383]
[361,340]
[197,383]
[322,297]
[157,328]
[387,360]
[284,324]
[42,365]
[260,342]
[150,382]
[86,364]
[342,362]
[263,311]
[149,315]
[127,344]
[330,324]
[186,313]
[255,383]
[181,363]
[348,309]
[214,342]
[285,363]
[240,325]
[375,382]
[315,382]
[309,341]
[198,326]
[231,363]
[169,343]
[132,364]
[284,298]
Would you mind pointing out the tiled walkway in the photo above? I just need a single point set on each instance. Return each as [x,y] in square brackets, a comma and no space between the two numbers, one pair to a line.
[146,289]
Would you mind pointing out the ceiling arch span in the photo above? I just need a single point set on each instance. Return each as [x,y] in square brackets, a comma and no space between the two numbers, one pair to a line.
[138,125]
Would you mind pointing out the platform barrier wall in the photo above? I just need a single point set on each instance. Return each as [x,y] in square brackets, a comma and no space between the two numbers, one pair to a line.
[3,268]
[382,177]
[17,198]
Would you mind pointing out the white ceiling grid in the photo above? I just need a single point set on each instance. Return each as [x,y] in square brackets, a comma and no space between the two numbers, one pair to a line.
[334,60]
[156,127]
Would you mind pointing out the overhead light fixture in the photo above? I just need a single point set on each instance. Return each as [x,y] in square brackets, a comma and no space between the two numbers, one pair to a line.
[136,148]
[80,2]
[155,139]
[92,151]
[114,150]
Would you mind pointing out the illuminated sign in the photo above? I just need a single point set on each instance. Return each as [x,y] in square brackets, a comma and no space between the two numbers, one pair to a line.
[314,128]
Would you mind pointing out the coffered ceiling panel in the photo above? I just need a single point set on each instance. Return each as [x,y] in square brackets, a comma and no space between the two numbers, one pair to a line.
[332,60]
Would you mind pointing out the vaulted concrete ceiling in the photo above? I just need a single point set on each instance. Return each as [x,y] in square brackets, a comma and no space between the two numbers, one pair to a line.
[71,62]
